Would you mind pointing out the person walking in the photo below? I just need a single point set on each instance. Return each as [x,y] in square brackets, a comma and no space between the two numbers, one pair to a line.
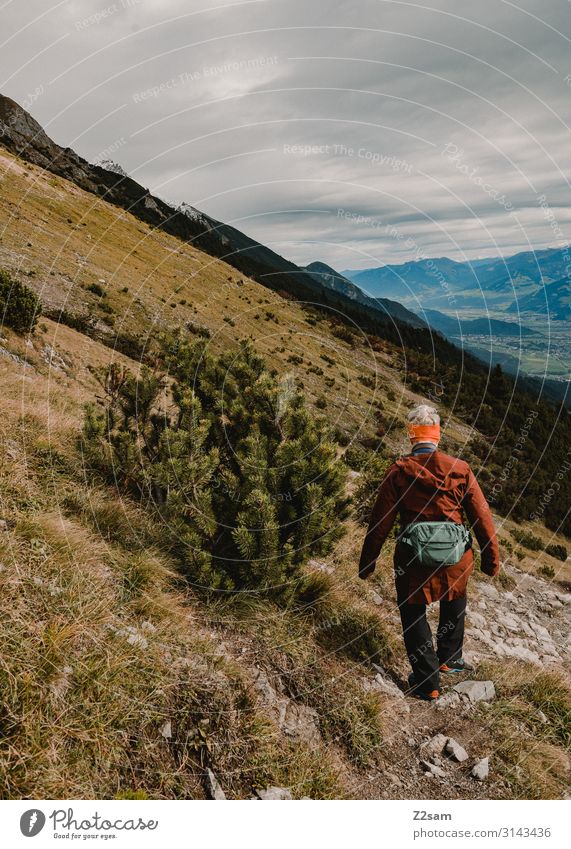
[431,493]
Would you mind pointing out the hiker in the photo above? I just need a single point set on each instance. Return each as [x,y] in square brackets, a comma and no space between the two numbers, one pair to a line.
[429,492]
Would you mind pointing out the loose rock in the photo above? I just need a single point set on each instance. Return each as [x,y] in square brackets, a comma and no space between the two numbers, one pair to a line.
[387,687]
[446,701]
[321,567]
[296,720]
[214,788]
[273,793]
[477,691]
[434,746]
[433,769]
[481,769]
[456,751]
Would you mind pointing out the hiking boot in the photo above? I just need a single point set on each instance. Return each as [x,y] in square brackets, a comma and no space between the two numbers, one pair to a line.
[454,666]
[418,693]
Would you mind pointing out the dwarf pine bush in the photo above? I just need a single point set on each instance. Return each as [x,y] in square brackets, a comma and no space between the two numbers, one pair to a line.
[373,470]
[20,307]
[244,478]
[556,550]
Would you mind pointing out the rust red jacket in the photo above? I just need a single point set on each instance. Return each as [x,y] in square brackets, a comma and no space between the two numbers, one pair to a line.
[430,487]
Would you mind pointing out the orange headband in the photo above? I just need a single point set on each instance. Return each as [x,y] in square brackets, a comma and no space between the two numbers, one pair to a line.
[418,432]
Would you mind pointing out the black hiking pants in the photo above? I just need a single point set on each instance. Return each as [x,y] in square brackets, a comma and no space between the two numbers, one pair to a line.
[425,661]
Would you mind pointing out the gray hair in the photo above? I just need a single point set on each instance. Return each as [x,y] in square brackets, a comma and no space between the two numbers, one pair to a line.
[423,414]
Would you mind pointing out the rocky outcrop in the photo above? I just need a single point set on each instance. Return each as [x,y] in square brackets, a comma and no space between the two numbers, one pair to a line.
[295,720]
[531,623]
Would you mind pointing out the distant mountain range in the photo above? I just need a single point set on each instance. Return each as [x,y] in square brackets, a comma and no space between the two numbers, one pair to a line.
[528,282]
[455,326]
[330,278]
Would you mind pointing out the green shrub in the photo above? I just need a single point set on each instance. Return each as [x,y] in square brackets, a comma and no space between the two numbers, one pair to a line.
[198,330]
[20,307]
[528,540]
[130,345]
[367,380]
[344,333]
[556,550]
[97,289]
[244,476]
[82,323]
[354,633]
[368,487]
[357,457]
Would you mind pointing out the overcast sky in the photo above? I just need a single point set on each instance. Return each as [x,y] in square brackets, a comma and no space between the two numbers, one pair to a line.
[356,132]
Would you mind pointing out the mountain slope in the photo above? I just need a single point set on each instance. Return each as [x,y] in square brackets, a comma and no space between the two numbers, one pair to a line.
[552,299]
[456,326]
[330,278]
[22,135]
[119,678]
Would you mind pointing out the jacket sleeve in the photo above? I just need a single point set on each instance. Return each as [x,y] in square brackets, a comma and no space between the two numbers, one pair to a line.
[480,517]
[382,519]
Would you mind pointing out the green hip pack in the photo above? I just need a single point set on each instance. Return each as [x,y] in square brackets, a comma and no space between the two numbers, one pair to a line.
[436,543]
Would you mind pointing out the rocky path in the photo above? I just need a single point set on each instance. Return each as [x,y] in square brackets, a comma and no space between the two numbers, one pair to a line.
[440,750]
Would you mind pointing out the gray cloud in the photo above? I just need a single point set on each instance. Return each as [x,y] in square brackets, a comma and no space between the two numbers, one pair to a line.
[352,131]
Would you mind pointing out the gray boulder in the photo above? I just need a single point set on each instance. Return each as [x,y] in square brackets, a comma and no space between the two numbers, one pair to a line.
[477,691]
[382,685]
[295,720]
